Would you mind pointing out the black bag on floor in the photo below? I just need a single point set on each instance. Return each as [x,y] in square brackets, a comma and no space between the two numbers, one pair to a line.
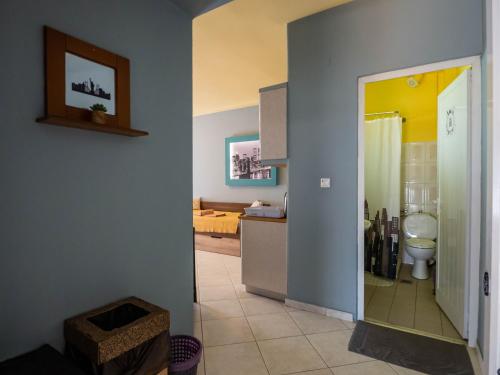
[42,361]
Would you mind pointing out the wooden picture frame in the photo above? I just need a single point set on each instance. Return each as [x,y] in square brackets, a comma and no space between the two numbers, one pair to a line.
[57,47]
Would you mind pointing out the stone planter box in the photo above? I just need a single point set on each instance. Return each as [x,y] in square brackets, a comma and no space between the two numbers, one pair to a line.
[108,332]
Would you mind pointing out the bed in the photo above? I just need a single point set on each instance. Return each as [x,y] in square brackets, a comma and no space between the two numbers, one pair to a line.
[219,234]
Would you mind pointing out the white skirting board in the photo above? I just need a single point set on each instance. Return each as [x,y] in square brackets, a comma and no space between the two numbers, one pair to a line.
[319,310]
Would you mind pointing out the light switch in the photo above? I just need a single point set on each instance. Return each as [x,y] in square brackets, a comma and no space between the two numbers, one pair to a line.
[325,182]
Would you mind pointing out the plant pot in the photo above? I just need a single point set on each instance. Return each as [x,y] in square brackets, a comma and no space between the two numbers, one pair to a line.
[99,117]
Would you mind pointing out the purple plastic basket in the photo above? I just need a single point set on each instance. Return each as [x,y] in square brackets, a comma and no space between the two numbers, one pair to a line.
[185,354]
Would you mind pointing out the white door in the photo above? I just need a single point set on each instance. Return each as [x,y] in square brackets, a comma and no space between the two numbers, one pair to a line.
[453,209]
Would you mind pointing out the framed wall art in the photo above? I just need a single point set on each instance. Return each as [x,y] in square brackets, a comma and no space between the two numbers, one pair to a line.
[243,163]
[82,79]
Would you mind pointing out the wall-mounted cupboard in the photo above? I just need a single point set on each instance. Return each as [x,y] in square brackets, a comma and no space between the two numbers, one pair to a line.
[273,122]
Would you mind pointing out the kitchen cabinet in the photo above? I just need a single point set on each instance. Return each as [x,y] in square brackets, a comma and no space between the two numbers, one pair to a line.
[273,122]
[264,255]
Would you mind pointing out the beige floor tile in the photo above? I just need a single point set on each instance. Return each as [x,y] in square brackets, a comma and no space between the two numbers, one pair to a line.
[217,293]
[205,258]
[332,346]
[310,322]
[427,312]
[290,355]
[380,304]
[325,371]
[209,268]
[350,325]
[426,287]
[428,317]
[196,312]
[273,326]
[405,272]
[409,289]
[290,308]
[233,264]
[214,280]
[403,307]
[369,291]
[232,260]
[242,293]
[448,329]
[412,305]
[368,368]
[197,331]
[221,309]
[404,371]
[235,278]
[226,331]
[237,359]
[261,305]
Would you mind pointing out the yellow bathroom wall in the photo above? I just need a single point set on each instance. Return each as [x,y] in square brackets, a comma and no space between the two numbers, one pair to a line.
[418,105]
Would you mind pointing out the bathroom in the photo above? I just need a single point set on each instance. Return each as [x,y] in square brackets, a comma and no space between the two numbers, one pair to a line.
[415,133]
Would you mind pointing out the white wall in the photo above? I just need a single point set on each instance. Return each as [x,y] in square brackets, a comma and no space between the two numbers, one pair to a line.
[418,181]
[209,133]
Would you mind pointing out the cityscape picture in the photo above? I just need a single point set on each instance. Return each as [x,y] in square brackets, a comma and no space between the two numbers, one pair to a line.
[245,162]
[89,83]
[90,88]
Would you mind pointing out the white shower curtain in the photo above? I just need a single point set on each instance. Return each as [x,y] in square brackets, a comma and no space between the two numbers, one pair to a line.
[383,165]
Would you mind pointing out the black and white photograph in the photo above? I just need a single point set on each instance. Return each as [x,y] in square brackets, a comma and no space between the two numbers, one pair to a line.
[89,83]
[245,162]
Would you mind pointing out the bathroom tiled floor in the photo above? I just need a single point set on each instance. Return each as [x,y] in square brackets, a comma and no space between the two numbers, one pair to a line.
[244,334]
[410,305]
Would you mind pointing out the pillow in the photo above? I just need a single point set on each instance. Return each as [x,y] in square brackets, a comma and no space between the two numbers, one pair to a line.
[196,203]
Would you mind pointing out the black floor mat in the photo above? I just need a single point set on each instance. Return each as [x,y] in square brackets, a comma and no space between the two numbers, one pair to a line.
[420,353]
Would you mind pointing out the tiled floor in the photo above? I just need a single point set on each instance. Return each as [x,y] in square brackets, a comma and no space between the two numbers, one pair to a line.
[244,334]
[408,304]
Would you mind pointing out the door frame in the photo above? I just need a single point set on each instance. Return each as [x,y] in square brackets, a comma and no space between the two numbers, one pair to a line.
[475,179]
[491,345]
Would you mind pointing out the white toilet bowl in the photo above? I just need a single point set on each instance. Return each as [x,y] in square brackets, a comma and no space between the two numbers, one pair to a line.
[420,232]
[421,250]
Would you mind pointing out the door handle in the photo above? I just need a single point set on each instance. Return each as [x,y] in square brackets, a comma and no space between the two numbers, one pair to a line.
[486,285]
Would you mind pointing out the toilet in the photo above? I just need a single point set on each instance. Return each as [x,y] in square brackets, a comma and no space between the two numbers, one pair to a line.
[420,232]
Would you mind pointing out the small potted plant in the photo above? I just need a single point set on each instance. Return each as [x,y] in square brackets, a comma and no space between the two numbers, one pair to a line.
[98,113]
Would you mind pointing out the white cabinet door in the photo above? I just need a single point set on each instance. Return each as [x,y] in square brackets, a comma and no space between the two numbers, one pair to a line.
[263,255]
[272,122]
[454,197]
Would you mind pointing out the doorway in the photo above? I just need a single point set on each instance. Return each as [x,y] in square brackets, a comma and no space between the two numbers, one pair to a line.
[456,292]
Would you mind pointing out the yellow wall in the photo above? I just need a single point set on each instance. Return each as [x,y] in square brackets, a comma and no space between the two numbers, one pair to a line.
[418,105]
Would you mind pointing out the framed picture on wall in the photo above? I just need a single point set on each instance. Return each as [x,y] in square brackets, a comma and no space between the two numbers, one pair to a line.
[243,163]
[86,87]
[89,83]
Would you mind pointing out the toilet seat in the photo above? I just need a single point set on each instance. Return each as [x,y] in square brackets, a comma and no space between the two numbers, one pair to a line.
[421,225]
[421,243]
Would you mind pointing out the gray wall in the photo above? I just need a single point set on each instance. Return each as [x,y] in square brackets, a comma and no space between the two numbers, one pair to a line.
[209,133]
[198,7]
[327,54]
[88,218]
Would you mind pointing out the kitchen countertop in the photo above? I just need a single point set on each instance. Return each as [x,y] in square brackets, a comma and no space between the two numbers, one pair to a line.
[260,218]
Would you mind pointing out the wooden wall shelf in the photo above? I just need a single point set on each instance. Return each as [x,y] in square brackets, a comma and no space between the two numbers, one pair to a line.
[76,114]
[88,125]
